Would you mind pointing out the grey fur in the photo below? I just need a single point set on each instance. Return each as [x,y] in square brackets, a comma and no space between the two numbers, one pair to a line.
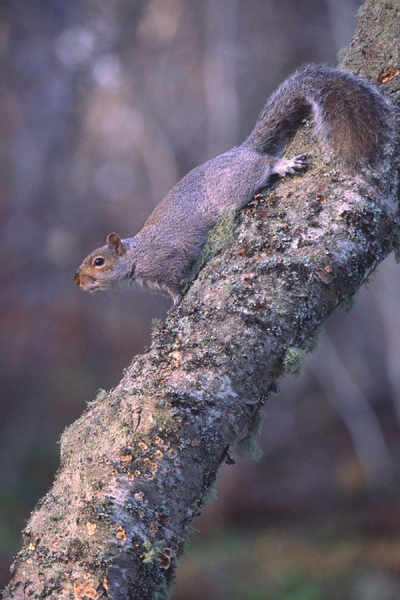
[351,117]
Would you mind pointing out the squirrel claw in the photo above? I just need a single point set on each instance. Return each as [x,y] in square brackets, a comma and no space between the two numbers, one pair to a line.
[298,163]
[291,166]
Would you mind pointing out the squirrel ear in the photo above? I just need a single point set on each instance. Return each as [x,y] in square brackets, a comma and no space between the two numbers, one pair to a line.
[115,244]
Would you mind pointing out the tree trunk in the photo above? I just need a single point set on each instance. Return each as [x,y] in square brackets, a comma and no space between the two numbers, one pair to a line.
[136,465]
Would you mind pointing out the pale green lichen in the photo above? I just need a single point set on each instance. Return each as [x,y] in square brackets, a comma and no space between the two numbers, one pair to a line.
[152,551]
[341,55]
[219,237]
[395,241]
[156,325]
[360,10]
[348,304]
[311,344]
[293,360]
[101,395]
[210,495]
[249,445]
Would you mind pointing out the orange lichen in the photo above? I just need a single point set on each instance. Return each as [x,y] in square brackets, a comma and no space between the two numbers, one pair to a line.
[91,527]
[276,241]
[153,527]
[121,535]
[388,74]
[325,274]
[83,590]
[151,464]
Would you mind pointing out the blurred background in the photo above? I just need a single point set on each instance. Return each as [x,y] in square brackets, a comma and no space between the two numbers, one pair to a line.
[104,105]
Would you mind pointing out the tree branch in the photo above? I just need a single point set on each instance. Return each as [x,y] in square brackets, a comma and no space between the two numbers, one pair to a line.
[135,467]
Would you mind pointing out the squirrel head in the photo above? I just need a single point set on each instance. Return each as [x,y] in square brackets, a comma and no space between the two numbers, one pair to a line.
[104,268]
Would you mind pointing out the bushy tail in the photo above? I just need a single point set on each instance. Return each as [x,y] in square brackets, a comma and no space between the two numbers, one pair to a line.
[351,116]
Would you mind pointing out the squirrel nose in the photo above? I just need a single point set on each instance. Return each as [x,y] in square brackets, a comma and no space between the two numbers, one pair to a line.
[77,278]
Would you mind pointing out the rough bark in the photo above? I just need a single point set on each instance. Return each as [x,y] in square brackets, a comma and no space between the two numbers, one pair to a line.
[136,466]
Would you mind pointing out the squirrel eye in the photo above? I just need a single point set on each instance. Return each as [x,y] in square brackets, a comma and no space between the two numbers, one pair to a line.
[99,261]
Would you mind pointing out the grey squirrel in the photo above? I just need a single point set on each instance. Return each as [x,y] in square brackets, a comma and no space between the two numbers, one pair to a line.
[350,116]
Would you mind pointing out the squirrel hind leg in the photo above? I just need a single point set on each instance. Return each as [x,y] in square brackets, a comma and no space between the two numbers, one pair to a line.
[292,166]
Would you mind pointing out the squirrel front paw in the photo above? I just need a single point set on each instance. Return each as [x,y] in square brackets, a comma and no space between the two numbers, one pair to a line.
[284,166]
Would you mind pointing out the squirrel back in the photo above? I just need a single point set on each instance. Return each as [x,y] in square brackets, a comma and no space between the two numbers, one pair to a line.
[350,116]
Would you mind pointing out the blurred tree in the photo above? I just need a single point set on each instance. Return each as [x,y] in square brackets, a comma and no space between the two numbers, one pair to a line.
[103,106]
